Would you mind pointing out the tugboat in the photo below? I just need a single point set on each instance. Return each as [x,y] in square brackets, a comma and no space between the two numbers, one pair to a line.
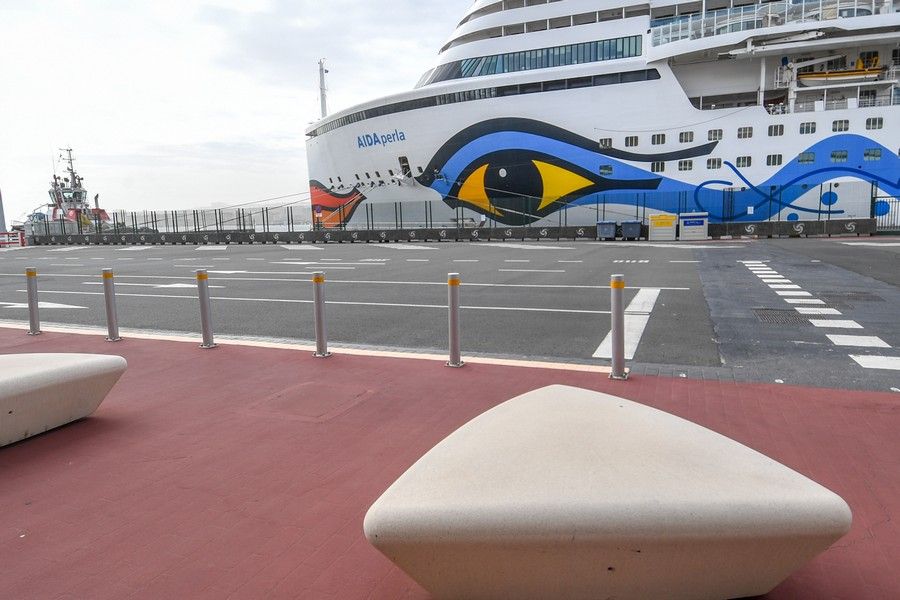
[68,200]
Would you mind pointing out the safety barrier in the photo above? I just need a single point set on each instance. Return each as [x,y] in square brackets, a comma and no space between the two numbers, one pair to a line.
[451,234]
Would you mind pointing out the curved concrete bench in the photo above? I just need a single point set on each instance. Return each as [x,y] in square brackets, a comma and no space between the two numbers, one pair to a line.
[569,493]
[41,391]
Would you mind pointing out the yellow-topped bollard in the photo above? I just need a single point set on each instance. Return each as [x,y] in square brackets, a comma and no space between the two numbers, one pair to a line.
[112,315]
[453,319]
[205,309]
[318,280]
[617,326]
[34,319]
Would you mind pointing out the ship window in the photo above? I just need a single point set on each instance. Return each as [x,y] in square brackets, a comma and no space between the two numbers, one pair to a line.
[657,166]
[840,125]
[368,176]
[715,135]
[685,165]
[686,137]
[776,130]
[550,86]
[773,160]
[559,22]
[606,169]
[745,132]
[584,18]
[713,163]
[838,156]
[631,140]
[808,127]
[356,175]
[874,123]
[339,179]
[330,180]
[630,76]
[514,29]
[536,25]
[869,59]
[606,142]
[744,161]
[658,138]
[606,79]
[404,166]
[580,82]
[377,174]
[391,172]
[420,170]
[872,154]
[806,158]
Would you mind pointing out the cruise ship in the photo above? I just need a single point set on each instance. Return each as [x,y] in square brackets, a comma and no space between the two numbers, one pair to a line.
[572,111]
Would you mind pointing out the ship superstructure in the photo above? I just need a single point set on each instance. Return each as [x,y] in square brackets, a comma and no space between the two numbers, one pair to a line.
[748,111]
[69,200]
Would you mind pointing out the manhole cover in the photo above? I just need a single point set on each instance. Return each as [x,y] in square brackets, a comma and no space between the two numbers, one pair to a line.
[780,316]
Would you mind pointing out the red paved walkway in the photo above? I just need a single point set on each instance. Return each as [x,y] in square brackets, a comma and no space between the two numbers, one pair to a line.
[245,472]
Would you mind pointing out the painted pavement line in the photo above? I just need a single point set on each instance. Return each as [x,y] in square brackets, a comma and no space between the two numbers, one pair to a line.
[570,261]
[869,361]
[804,301]
[300,247]
[339,302]
[782,280]
[207,248]
[876,244]
[515,246]
[862,341]
[792,293]
[235,340]
[402,247]
[418,260]
[836,323]
[637,315]
[815,310]
[784,286]
[518,260]
[465,260]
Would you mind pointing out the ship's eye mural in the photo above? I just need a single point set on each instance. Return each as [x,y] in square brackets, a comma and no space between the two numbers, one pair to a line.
[330,208]
[517,171]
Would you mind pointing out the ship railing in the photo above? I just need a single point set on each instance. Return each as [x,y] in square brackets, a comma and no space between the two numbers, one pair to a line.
[771,14]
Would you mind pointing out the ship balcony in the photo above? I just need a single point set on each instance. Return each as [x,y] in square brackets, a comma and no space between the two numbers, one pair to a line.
[760,16]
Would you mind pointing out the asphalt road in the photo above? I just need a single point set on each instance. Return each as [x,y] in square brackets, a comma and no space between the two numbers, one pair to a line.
[694,309]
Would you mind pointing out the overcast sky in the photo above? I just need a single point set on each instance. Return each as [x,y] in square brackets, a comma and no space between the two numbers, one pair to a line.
[192,103]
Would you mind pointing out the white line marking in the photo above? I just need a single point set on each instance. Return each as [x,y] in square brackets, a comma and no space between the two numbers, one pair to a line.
[804,301]
[531,270]
[345,303]
[40,305]
[837,323]
[134,248]
[792,293]
[784,286]
[300,247]
[814,310]
[418,259]
[254,259]
[329,265]
[637,315]
[886,244]
[877,362]
[331,259]
[466,260]
[778,279]
[401,247]
[515,246]
[518,260]
[570,261]
[864,341]
[152,285]
[220,248]
[129,258]
[147,259]
[67,249]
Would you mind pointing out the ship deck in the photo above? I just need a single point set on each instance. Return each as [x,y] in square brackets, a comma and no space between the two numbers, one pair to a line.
[245,471]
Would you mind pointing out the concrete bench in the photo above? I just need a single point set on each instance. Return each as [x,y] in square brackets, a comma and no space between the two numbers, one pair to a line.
[569,493]
[41,391]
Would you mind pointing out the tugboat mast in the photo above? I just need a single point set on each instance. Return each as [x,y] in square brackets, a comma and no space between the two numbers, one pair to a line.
[322,90]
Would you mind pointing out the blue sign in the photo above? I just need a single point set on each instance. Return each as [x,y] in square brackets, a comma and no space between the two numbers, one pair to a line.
[692,222]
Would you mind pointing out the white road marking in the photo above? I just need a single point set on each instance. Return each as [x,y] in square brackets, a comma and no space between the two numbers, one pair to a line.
[836,323]
[570,261]
[466,260]
[516,246]
[784,286]
[329,265]
[637,315]
[129,258]
[40,305]
[630,260]
[792,293]
[876,244]
[815,310]
[402,247]
[518,260]
[673,245]
[152,285]
[72,258]
[254,259]
[775,280]
[219,248]
[418,259]
[331,259]
[865,341]
[134,248]
[300,247]
[68,249]
[765,273]
[331,302]
[804,301]
[877,362]
[532,270]
[104,258]
[152,259]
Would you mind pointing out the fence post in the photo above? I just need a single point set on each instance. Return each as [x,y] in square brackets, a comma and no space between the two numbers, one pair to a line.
[205,316]
[453,319]
[34,319]
[112,317]
[617,326]
[319,315]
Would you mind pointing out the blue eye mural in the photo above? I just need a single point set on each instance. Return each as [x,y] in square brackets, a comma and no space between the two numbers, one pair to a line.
[518,171]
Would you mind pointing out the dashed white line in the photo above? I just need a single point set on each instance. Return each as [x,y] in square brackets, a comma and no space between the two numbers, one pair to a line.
[220,248]
[863,341]
[517,260]
[792,293]
[570,261]
[877,362]
[402,247]
[418,259]
[814,310]
[836,323]
[804,301]
[784,286]
[466,260]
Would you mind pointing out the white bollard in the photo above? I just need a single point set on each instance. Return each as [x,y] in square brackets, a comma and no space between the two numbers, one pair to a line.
[34,319]
[112,317]
[617,326]
[205,311]
[319,313]
[453,319]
